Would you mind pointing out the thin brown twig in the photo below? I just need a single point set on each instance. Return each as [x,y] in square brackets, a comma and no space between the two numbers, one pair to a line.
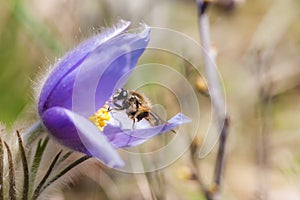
[220,163]
[198,177]
[264,108]
[217,98]
[156,188]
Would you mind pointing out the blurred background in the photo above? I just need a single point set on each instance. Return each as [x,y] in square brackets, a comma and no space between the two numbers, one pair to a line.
[258,45]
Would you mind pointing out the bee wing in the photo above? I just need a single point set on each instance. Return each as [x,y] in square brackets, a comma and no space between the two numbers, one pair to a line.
[155,120]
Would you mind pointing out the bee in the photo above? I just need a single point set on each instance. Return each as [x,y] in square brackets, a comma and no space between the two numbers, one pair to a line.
[136,106]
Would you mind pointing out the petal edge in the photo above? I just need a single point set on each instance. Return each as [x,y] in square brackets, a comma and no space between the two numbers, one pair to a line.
[79,134]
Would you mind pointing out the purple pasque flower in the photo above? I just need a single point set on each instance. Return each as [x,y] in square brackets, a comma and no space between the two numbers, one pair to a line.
[73,99]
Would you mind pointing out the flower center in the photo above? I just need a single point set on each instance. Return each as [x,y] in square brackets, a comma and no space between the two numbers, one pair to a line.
[100,118]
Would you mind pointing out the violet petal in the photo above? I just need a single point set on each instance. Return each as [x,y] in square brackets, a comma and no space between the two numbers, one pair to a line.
[79,134]
[126,138]
[74,58]
[89,86]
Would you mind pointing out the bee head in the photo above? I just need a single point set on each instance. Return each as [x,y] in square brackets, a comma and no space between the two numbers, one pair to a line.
[120,94]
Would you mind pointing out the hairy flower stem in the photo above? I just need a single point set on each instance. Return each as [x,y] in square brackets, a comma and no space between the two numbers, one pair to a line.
[40,149]
[32,133]
[64,171]
[38,191]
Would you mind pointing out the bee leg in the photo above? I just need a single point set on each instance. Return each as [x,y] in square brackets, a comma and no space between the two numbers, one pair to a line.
[173,131]
[116,106]
[117,109]
[133,124]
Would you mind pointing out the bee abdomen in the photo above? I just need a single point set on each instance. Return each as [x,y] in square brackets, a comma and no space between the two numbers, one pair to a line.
[142,115]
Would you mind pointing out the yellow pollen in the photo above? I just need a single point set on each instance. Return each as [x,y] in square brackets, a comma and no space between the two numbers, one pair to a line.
[100,118]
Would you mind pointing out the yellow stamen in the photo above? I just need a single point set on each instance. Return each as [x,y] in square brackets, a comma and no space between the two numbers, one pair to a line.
[100,118]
